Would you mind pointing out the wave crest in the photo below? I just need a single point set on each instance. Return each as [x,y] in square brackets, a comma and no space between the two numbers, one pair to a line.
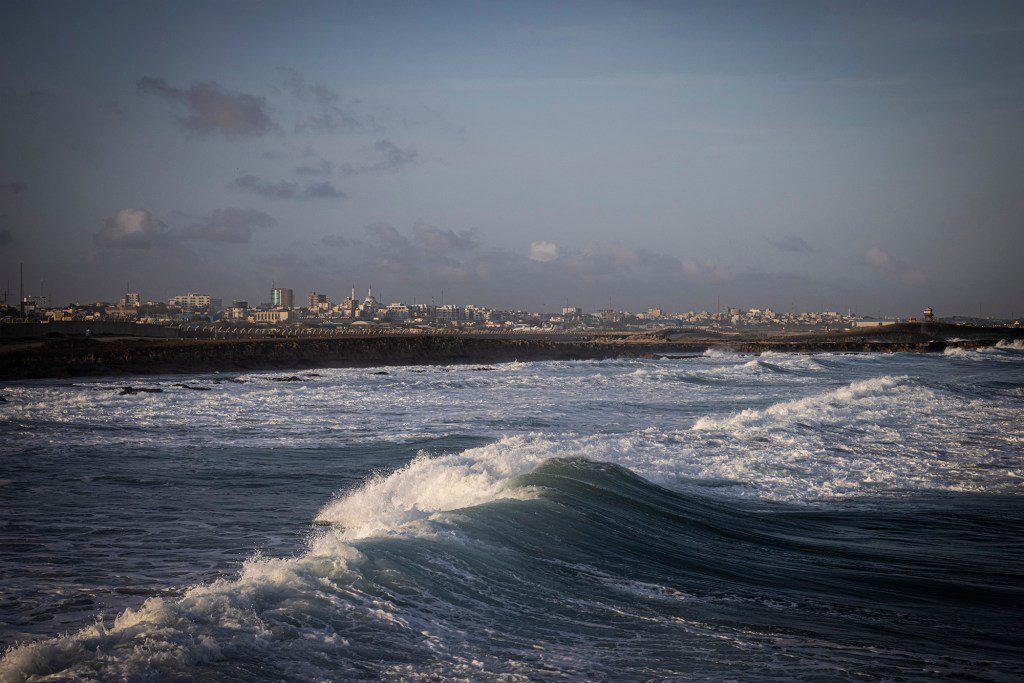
[835,404]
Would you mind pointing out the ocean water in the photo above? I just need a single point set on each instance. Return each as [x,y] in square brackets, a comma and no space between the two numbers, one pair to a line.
[739,517]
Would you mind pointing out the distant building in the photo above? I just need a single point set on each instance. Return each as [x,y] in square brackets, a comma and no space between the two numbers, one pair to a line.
[272,317]
[33,303]
[572,311]
[193,302]
[239,311]
[396,312]
[871,323]
[348,307]
[282,297]
[131,300]
[320,303]
[370,306]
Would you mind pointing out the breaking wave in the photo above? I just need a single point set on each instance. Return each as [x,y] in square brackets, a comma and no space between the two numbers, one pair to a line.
[795,519]
[540,582]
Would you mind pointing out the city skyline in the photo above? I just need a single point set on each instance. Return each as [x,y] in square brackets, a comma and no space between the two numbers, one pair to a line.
[326,305]
[797,156]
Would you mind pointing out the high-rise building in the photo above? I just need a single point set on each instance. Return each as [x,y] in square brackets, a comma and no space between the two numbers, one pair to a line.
[282,297]
[319,302]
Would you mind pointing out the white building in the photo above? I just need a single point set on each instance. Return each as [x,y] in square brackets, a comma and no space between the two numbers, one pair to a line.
[396,312]
[194,301]
[272,317]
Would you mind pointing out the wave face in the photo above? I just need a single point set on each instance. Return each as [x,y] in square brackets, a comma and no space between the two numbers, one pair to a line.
[721,517]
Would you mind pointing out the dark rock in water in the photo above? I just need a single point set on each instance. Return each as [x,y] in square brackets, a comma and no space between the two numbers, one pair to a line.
[192,387]
[482,369]
[131,391]
[313,374]
[3,399]
[381,372]
[290,378]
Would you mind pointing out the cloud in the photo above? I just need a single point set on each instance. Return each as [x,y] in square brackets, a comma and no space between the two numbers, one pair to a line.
[286,189]
[328,112]
[133,229]
[791,244]
[5,237]
[13,187]
[324,167]
[393,155]
[387,157]
[281,190]
[705,269]
[230,225]
[213,109]
[879,259]
[444,241]
[335,241]
[286,260]
[882,261]
[388,237]
[543,252]
[324,190]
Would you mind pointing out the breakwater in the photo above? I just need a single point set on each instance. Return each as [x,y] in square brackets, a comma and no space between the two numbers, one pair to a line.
[73,358]
[95,357]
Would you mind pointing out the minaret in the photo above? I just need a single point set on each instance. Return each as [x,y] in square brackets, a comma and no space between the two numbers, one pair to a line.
[353,296]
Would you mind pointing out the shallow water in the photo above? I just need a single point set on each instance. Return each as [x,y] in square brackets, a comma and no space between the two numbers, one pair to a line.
[728,516]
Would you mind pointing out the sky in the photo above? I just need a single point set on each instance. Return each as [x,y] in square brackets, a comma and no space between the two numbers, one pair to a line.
[820,155]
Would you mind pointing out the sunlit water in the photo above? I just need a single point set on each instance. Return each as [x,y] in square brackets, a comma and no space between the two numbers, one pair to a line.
[722,516]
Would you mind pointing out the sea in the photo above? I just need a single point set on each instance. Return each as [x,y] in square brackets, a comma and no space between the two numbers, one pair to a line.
[695,517]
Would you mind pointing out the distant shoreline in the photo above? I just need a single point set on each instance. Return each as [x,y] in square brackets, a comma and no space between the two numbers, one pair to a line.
[96,357]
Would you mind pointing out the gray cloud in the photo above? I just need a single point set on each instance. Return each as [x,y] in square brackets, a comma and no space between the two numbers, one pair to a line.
[286,261]
[791,244]
[387,237]
[279,190]
[335,241]
[327,111]
[324,167]
[13,187]
[438,240]
[5,237]
[286,189]
[133,229]
[213,109]
[324,190]
[883,262]
[387,157]
[230,225]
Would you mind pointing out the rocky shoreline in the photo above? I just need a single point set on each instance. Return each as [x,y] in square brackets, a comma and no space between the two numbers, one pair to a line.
[82,357]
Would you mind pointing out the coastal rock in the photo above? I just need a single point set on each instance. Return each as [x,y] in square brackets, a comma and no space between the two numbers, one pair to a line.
[131,391]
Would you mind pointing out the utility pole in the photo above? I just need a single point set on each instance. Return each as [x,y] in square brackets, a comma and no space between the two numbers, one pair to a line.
[21,287]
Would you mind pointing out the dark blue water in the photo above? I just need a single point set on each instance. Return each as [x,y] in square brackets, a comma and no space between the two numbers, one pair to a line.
[825,517]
